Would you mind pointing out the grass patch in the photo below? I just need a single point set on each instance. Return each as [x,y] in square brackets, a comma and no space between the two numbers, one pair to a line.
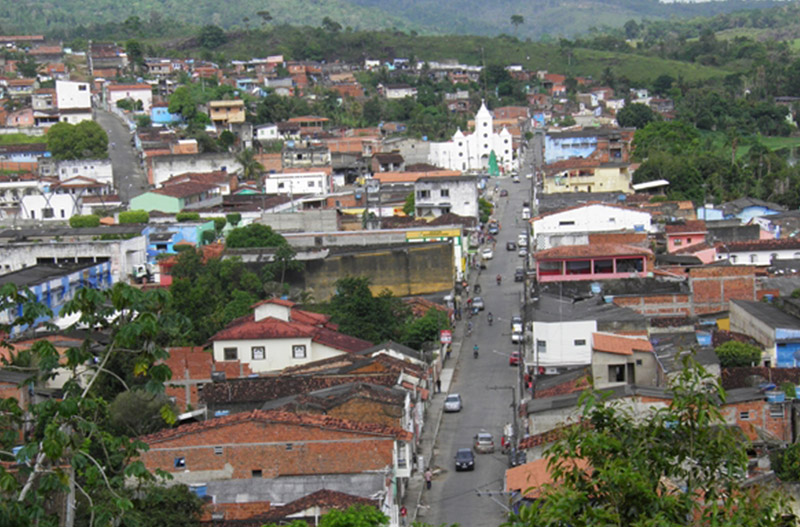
[15,139]
[718,142]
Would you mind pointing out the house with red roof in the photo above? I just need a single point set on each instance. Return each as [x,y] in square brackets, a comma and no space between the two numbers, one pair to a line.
[280,456]
[135,92]
[600,261]
[685,234]
[619,359]
[278,335]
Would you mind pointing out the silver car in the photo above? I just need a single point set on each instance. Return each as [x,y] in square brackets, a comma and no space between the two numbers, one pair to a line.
[484,443]
[453,403]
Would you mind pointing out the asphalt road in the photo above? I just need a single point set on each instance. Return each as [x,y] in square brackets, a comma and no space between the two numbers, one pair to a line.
[129,179]
[453,497]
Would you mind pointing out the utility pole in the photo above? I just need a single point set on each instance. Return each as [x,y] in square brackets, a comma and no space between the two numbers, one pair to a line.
[513,409]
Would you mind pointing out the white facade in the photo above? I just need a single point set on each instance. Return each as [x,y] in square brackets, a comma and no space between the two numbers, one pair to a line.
[75,116]
[596,217]
[471,152]
[98,169]
[567,343]
[165,167]
[441,195]
[297,183]
[277,353]
[756,257]
[267,132]
[72,95]
[136,93]
[49,207]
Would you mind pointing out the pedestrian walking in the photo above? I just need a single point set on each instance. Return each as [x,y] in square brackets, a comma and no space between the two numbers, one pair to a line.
[428,477]
[403,514]
[439,385]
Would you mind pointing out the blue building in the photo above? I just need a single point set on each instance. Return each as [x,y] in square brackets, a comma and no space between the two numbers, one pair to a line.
[777,330]
[161,239]
[54,286]
[161,115]
[23,153]
[745,209]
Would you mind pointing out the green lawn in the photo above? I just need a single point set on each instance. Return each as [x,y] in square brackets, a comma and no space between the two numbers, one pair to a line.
[15,139]
[773,143]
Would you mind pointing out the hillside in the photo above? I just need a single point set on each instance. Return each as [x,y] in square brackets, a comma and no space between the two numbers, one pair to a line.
[541,17]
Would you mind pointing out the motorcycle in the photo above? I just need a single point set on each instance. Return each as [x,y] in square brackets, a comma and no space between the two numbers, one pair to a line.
[475,351]
[490,318]
[499,279]
[477,288]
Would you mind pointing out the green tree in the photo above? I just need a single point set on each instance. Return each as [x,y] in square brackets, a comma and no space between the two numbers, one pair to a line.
[484,210]
[86,140]
[233,218]
[636,115]
[674,137]
[251,167]
[187,216]
[361,314]
[138,412]
[69,449]
[516,21]
[679,465]
[134,216]
[28,66]
[133,48]
[227,139]
[211,36]
[409,207]
[330,25]
[183,103]
[734,354]
[425,329]
[786,463]
[354,516]
[80,222]
[254,235]
[159,506]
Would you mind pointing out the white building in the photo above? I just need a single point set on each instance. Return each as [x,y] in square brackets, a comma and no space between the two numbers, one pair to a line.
[97,169]
[759,252]
[277,336]
[561,344]
[134,92]
[73,101]
[267,132]
[62,200]
[472,152]
[434,196]
[297,183]
[572,226]
[164,167]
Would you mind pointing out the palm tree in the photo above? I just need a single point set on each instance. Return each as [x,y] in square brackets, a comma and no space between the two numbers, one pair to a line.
[251,168]
[516,21]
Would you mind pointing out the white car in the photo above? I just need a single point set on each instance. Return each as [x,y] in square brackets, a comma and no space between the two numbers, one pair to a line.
[487,253]
[516,337]
[452,403]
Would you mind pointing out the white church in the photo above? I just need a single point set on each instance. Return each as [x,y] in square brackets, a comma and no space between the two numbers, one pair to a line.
[471,152]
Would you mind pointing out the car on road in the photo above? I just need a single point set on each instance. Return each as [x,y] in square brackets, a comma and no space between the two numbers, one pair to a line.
[516,337]
[487,253]
[513,359]
[503,193]
[483,443]
[453,403]
[511,246]
[522,252]
[522,240]
[478,302]
[526,213]
[465,459]
[519,274]
[515,179]
[516,323]
[493,229]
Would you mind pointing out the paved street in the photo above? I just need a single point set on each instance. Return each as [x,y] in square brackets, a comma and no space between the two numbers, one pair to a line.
[129,179]
[453,498]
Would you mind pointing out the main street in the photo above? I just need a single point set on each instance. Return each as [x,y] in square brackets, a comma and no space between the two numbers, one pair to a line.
[485,385]
[129,180]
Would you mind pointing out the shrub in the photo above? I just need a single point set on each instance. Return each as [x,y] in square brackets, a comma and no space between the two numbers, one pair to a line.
[134,216]
[187,216]
[234,218]
[736,354]
[208,237]
[219,224]
[786,463]
[81,222]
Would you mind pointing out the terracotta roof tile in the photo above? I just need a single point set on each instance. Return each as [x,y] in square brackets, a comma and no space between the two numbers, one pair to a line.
[688,227]
[619,345]
[184,190]
[590,251]
[762,245]
[317,421]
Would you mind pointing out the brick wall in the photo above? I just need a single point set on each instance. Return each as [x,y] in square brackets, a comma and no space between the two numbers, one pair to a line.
[369,411]
[638,239]
[252,445]
[749,415]
[675,304]
[713,287]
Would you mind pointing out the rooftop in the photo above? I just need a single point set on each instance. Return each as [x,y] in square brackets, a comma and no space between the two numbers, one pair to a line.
[37,274]
[769,314]
[596,250]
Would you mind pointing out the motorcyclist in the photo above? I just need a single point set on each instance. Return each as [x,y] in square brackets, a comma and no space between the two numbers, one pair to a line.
[499,279]
[490,318]
[469,328]
[475,351]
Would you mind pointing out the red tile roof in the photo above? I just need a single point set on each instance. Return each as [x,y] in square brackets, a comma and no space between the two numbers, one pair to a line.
[325,499]
[184,190]
[591,251]
[310,420]
[619,345]
[129,87]
[689,227]
[761,245]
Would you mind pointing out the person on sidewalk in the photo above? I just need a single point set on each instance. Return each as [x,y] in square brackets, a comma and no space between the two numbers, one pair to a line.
[428,477]
[438,385]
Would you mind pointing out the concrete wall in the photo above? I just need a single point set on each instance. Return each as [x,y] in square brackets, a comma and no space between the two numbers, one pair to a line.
[410,269]
[71,95]
[560,343]
[123,254]
[646,374]
[744,322]
[165,167]
[316,221]
[278,352]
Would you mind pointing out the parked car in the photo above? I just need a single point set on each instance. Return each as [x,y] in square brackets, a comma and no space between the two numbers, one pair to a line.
[487,253]
[526,213]
[516,337]
[519,275]
[477,302]
[511,246]
[522,240]
[503,193]
[465,459]
[516,323]
[484,443]
[513,360]
[515,179]
[494,229]
[522,252]
[453,403]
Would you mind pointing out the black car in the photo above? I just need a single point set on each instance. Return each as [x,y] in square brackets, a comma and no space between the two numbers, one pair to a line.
[519,275]
[511,246]
[503,193]
[465,459]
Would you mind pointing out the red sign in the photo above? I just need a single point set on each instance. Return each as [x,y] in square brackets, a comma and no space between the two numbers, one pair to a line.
[446,336]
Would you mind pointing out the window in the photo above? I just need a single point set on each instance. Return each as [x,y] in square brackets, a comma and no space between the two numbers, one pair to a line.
[310,183]
[616,373]
[299,351]
[33,214]
[541,346]
[579,342]
[753,258]
[281,185]
[612,220]
[63,213]
[218,450]
[638,362]
[180,462]
[776,411]
[565,223]
[289,446]
[81,87]
[230,353]
[688,240]
[256,473]
[47,213]
[259,352]
[445,192]
[744,416]
[423,194]
[678,241]
[485,136]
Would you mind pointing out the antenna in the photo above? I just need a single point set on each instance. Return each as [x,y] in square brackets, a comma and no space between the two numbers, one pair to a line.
[483,61]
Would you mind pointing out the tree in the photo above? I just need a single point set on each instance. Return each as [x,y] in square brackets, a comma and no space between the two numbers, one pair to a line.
[331,25]
[409,207]
[425,329]
[354,516]
[138,412]
[516,21]
[251,167]
[636,115]
[674,137]
[187,216]
[211,36]
[679,465]
[133,48]
[28,66]
[254,235]
[227,139]
[80,222]
[266,17]
[86,140]
[173,506]
[631,29]
[361,314]
[69,451]
[134,216]
[183,103]
[484,210]
[786,463]
[233,218]
[734,354]
[663,84]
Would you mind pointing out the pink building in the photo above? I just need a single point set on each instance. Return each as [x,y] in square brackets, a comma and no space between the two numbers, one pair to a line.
[682,235]
[600,261]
